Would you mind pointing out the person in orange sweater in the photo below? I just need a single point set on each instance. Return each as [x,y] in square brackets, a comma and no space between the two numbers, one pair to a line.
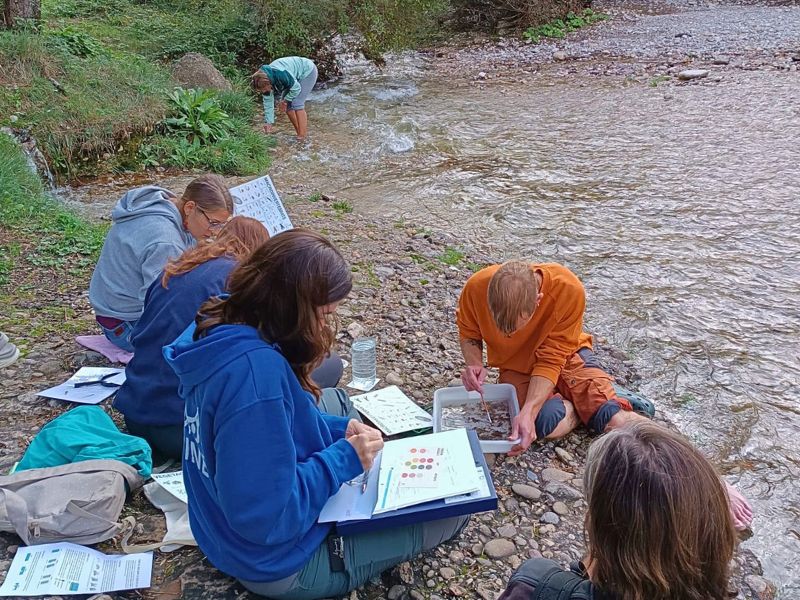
[530,318]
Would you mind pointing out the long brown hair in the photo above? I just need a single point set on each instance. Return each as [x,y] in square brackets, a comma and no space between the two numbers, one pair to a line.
[658,523]
[238,239]
[210,193]
[278,290]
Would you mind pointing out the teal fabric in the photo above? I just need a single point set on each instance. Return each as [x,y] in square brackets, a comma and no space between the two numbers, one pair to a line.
[85,433]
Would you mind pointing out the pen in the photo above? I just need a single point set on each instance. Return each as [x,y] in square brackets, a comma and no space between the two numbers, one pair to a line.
[365,481]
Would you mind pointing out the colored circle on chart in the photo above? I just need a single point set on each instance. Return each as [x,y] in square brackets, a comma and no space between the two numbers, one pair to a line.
[422,451]
[430,460]
[411,475]
[405,475]
[413,450]
[408,462]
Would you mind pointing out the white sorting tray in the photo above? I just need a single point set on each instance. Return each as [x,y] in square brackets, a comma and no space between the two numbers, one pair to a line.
[457,396]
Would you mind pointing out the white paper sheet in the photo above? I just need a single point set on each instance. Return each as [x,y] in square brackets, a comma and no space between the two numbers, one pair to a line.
[482,492]
[349,504]
[90,394]
[173,483]
[392,411]
[259,199]
[425,468]
[62,569]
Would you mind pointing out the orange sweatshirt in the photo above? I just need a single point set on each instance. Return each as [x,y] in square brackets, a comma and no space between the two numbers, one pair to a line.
[553,334]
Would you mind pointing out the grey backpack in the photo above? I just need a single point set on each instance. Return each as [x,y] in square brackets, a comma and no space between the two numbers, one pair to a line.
[79,502]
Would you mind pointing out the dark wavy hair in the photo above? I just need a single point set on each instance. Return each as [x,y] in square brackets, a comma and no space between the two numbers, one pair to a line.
[238,238]
[278,290]
[658,523]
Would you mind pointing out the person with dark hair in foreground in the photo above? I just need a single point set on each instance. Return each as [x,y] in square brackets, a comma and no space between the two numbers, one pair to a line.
[264,447]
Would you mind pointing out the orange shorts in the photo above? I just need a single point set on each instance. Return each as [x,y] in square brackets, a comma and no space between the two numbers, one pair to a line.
[582,382]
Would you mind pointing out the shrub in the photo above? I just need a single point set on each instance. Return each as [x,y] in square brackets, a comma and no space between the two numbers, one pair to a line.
[513,14]
[198,114]
[76,42]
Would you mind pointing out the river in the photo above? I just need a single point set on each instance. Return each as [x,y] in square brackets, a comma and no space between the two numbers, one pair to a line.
[677,207]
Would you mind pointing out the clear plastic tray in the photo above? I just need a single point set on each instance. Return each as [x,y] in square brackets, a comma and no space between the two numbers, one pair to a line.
[458,396]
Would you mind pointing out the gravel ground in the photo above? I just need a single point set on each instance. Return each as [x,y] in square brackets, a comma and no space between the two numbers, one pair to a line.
[405,295]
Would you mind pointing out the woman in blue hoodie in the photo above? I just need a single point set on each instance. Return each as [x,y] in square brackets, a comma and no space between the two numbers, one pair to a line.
[151,225]
[260,458]
[149,397]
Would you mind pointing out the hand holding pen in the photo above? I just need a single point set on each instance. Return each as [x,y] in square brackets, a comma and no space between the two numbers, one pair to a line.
[366,441]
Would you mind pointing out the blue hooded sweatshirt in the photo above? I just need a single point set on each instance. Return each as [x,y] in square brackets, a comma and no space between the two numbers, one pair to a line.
[260,459]
[150,393]
[147,232]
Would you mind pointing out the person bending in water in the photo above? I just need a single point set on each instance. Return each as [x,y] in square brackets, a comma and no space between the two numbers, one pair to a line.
[530,317]
[287,81]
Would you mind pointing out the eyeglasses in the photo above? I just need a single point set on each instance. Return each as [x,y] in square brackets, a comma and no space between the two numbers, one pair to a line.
[212,225]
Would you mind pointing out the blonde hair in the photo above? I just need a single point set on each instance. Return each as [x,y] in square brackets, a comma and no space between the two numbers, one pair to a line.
[512,294]
[658,522]
[210,193]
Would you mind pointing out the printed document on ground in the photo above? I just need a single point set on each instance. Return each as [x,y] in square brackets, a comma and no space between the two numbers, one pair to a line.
[88,394]
[392,411]
[62,569]
[173,483]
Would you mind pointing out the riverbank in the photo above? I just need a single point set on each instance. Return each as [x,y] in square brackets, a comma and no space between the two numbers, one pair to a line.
[408,277]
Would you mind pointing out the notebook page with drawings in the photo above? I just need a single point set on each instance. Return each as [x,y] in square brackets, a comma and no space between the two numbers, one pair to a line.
[259,199]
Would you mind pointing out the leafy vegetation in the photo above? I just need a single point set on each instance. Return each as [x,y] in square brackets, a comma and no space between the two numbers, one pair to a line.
[60,237]
[198,114]
[559,28]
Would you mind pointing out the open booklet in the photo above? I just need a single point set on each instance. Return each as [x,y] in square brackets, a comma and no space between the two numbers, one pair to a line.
[408,472]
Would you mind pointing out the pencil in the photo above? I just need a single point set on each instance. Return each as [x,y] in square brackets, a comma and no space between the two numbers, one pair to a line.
[366,481]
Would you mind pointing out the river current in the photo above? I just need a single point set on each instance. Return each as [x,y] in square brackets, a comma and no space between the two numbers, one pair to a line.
[678,207]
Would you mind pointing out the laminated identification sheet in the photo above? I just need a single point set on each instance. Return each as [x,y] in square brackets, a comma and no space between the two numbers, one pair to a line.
[173,483]
[259,199]
[425,468]
[87,394]
[392,411]
[61,569]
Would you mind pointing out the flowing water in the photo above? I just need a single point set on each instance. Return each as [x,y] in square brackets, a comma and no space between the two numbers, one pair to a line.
[678,208]
[681,216]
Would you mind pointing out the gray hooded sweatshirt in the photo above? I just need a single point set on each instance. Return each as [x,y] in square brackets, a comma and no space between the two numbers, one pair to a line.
[147,232]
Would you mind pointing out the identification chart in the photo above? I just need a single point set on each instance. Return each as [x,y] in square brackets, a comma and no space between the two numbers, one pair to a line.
[259,199]
[392,411]
[61,569]
[90,385]
[426,468]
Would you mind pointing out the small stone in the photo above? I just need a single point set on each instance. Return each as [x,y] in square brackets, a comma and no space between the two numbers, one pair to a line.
[456,557]
[393,378]
[482,75]
[721,60]
[526,491]
[13,118]
[416,595]
[558,475]
[560,56]
[355,329]
[532,476]
[405,572]
[759,585]
[565,456]
[396,591]
[430,583]
[562,491]
[550,518]
[457,590]
[690,74]
[447,573]
[560,508]
[499,548]
[507,531]
[477,549]
[51,367]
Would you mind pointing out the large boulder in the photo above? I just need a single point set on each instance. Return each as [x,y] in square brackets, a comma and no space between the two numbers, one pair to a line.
[195,71]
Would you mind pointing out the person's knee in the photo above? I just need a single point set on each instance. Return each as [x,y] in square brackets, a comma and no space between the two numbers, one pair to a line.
[438,532]
[603,416]
[551,414]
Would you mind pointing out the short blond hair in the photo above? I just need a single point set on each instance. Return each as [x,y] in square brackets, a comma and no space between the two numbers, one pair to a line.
[512,294]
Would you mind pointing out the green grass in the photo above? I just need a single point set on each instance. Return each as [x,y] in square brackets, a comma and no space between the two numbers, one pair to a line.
[451,256]
[342,207]
[559,28]
[58,237]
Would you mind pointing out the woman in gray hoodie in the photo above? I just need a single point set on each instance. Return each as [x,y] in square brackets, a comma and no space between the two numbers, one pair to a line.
[151,225]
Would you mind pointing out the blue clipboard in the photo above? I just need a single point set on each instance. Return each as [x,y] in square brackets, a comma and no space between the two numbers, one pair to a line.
[429,511]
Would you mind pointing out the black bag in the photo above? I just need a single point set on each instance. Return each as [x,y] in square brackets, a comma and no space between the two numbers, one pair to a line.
[543,579]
